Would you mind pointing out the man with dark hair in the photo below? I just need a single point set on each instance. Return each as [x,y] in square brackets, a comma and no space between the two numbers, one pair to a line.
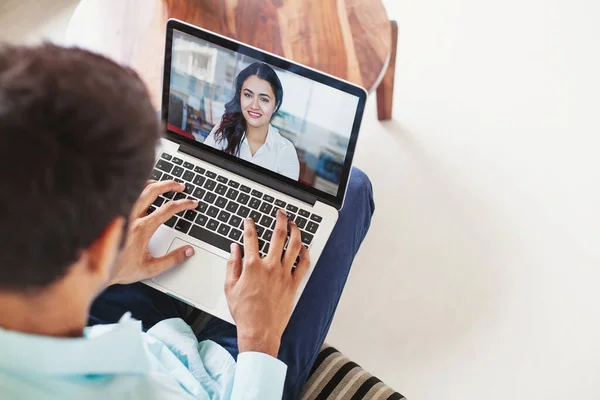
[77,142]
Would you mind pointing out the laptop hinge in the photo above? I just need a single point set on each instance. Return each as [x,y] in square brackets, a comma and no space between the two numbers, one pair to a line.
[248,173]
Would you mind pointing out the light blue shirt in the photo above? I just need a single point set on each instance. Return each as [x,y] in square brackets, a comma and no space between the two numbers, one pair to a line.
[120,361]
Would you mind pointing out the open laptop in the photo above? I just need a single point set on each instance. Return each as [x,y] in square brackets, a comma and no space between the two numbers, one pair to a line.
[215,90]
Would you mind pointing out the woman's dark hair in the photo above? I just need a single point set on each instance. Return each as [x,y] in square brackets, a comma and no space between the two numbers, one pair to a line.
[233,124]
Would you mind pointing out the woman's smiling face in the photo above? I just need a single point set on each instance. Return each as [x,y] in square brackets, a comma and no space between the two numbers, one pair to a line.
[257,101]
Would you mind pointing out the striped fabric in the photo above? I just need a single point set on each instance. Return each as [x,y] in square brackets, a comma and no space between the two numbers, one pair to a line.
[337,378]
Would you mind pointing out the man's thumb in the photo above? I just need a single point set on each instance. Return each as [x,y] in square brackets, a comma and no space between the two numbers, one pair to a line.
[173,258]
[234,264]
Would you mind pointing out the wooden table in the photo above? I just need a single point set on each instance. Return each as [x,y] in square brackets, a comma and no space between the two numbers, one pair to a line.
[350,39]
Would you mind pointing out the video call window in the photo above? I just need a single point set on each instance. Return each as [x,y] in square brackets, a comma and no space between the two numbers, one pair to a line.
[262,114]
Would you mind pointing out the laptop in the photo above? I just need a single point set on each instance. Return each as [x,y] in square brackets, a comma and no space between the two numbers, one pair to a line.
[248,133]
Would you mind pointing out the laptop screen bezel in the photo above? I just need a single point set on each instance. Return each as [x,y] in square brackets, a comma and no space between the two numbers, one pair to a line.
[262,175]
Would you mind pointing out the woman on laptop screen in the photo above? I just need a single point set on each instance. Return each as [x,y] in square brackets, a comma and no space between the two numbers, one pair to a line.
[245,129]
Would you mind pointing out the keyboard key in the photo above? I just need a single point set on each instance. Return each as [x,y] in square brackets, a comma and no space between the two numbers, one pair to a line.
[292,208]
[234,184]
[254,203]
[190,215]
[231,207]
[188,176]
[266,248]
[201,219]
[232,194]
[202,206]
[179,180]
[199,170]
[159,201]
[210,237]
[268,198]
[183,225]
[210,197]
[304,213]
[255,215]
[177,161]
[274,212]
[179,196]
[235,234]
[222,179]
[279,203]
[212,224]
[210,184]
[150,210]
[166,177]
[301,222]
[245,189]
[268,235]
[243,198]
[306,237]
[166,156]
[188,165]
[266,208]
[243,211]
[189,188]
[224,216]
[178,171]
[199,193]
[211,174]
[212,211]
[257,193]
[316,218]
[235,221]
[169,195]
[221,202]
[224,229]
[260,230]
[261,244]
[266,221]
[312,227]
[171,222]
[164,165]
[221,189]
[199,180]
[156,175]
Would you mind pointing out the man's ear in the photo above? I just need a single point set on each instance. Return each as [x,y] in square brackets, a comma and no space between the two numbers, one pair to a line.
[103,251]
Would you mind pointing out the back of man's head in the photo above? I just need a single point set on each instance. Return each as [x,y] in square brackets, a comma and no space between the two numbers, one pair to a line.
[77,141]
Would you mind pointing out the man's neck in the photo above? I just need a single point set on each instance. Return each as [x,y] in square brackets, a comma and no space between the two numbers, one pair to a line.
[48,312]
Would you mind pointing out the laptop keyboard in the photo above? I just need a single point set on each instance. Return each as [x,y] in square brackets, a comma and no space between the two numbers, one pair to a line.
[222,206]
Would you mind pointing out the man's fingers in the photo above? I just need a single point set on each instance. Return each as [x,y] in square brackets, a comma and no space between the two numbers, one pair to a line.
[151,192]
[167,210]
[250,238]
[302,267]
[234,265]
[294,246]
[171,259]
[279,235]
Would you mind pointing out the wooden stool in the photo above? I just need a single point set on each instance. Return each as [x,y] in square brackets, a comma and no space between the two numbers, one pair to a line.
[350,39]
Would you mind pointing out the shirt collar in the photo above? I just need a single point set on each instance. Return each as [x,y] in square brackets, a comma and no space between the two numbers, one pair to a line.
[271,140]
[108,349]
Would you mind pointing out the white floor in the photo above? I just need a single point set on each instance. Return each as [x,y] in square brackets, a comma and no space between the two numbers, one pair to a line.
[479,278]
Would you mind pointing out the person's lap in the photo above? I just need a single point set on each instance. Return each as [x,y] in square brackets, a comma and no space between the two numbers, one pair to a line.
[312,317]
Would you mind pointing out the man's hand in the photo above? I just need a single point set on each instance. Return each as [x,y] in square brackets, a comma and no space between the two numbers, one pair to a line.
[135,262]
[260,291]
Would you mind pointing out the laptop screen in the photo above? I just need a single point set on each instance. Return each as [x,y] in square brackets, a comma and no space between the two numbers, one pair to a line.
[292,125]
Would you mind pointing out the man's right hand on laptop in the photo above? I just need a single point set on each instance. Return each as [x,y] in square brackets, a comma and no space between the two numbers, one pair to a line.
[260,291]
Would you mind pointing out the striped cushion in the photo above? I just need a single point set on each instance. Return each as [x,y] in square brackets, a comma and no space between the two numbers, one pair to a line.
[336,377]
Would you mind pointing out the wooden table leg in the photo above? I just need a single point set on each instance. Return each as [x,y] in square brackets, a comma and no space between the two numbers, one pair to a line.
[385,91]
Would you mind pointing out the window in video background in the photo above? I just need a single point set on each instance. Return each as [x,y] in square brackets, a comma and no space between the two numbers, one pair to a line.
[316,118]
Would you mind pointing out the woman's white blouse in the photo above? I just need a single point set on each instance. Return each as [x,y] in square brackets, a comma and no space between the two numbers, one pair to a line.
[277,153]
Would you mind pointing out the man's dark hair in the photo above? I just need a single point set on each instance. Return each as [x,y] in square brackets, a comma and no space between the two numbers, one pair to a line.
[77,142]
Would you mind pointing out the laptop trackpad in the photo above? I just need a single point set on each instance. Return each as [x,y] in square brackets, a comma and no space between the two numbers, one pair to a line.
[200,278]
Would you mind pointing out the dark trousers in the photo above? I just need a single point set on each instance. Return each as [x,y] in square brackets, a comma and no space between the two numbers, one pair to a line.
[310,322]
